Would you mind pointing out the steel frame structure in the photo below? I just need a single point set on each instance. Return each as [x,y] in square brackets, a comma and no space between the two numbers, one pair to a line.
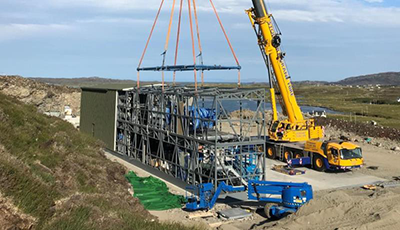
[171,131]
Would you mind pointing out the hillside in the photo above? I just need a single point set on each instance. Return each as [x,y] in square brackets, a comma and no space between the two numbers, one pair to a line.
[390,78]
[80,82]
[54,177]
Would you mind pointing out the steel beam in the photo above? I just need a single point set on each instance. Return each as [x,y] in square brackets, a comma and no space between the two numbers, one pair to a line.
[189,68]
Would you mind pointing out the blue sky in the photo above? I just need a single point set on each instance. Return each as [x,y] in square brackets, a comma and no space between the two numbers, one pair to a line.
[324,39]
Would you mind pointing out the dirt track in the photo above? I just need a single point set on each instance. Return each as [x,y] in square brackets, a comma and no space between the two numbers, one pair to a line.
[347,209]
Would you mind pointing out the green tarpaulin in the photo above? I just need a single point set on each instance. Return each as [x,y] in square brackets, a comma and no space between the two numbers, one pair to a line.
[153,193]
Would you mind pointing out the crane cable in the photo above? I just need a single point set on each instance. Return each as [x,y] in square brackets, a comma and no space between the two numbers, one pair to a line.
[199,42]
[227,39]
[193,48]
[177,38]
[147,43]
[177,43]
[167,43]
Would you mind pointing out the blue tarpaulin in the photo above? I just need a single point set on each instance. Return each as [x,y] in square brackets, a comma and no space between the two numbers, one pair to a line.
[198,115]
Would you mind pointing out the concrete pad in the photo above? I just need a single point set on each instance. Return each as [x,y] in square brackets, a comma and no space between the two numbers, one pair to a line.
[319,180]
[322,180]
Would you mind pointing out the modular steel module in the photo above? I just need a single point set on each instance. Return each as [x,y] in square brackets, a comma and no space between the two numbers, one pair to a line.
[191,135]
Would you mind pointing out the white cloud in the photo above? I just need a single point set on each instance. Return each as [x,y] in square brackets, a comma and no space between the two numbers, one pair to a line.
[369,16]
[115,20]
[112,5]
[374,1]
[350,11]
[20,31]
[355,12]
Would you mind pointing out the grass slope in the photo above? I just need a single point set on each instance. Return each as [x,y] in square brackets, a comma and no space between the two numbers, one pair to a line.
[60,176]
[379,104]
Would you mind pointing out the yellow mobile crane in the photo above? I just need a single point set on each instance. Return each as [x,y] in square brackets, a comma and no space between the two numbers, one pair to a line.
[295,139]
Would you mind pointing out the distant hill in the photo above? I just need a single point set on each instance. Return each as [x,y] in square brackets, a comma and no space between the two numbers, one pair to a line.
[312,82]
[84,81]
[390,78]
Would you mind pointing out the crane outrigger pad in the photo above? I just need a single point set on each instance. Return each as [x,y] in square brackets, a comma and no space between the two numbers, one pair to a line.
[288,170]
[235,213]
[188,68]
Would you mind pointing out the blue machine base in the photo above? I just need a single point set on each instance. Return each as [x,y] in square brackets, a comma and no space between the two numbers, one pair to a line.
[278,212]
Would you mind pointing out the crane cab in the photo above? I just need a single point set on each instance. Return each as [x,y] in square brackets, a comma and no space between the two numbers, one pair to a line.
[334,154]
[286,131]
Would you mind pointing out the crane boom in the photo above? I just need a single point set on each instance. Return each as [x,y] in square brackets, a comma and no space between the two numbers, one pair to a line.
[271,41]
[295,128]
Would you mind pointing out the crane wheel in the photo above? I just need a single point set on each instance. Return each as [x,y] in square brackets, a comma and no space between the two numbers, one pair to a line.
[271,152]
[287,155]
[318,163]
[298,155]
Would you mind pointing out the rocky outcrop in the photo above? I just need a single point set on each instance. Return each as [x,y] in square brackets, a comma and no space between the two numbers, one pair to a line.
[48,98]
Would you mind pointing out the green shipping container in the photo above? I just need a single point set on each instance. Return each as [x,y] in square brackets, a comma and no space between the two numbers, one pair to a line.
[99,112]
